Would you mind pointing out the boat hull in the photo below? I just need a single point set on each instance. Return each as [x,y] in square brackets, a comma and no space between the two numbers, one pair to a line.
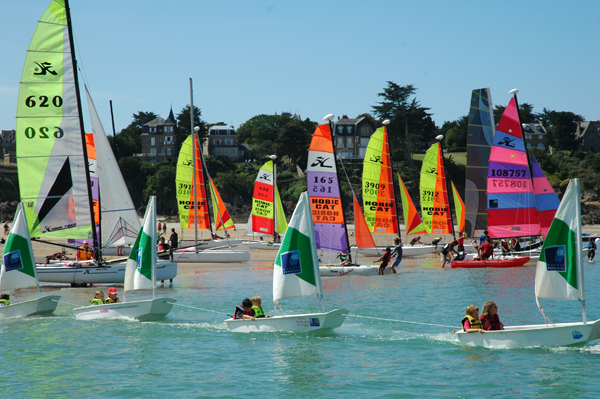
[33,307]
[293,323]
[473,264]
[71,273]
[146,310]
[211,244]
[269,246]
[211,256]
[560,334]
[358,270]
[407,250]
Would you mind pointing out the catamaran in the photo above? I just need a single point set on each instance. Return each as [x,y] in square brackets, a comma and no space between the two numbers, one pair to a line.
[18,271]
[559,275]
[140,274]
[267,218]
[296,274]
[53,164]
[193,205]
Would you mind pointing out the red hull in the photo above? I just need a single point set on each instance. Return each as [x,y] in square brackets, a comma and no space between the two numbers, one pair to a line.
[515,262]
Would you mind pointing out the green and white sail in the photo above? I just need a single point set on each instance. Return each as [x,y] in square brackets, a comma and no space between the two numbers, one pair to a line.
[50,153]
[18,263]
[296,269]
[141,265]
[559,272]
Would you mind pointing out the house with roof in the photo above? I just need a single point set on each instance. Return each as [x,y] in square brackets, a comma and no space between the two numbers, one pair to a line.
[535,136]
[588,136]
[159,140]
[8,143]
[221,141]
[351,136]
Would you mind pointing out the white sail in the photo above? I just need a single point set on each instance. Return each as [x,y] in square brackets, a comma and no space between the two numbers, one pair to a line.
[296,269]
[18,265]
[141,265]
[120,222]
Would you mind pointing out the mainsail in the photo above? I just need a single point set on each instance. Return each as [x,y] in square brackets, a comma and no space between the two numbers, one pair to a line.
[220,214]
[546,200]
[191,215]
[378,186]
[264,201]
[324,193]
[50,141]
[412,220]
[435,206]
[120,221]
[512,209]
[479,141]
[459,207]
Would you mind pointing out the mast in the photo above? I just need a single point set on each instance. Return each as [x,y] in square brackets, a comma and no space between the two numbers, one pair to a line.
[385,123]
[206,178]
[112,118]
[193,130]
[97,244]
[514,92]
[329,118]
[448,190]
[275,233]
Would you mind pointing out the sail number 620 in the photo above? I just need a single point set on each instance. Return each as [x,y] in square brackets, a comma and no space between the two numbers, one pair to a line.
[43,132]
[57,101]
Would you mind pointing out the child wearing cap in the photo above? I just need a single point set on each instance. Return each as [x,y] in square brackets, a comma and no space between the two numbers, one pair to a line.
[112,296]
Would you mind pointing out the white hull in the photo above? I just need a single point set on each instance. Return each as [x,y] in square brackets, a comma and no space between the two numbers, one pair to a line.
[293,323]
[560,334]
[360,270]
[211,256]
[262,245]
[212,244]
[532,258]
[38,306]
[407,250]
[150,309]
[113,274]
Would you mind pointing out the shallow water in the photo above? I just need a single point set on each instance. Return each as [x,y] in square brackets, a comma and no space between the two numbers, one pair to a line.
[192,354]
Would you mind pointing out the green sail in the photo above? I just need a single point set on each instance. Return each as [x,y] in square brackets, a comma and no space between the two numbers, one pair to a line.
[51,165]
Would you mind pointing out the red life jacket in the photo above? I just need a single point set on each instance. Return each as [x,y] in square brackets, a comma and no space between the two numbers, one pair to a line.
[246,313]
[494,321]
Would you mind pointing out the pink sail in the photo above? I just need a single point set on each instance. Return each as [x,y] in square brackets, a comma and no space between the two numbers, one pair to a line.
[546,200]
[511,203]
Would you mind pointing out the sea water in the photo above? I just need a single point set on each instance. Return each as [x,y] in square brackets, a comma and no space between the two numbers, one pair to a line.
[388,353]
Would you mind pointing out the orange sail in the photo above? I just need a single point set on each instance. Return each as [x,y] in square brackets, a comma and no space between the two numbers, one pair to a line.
[364,239]
[222,218]
[459,207]
[414,224]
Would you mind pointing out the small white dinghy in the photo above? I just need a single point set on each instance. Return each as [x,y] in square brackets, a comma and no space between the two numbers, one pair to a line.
[295,274]
[18,271]
[191,255]
[139,274]
[559,275]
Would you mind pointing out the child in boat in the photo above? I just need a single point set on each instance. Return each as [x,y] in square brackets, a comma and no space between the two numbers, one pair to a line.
[345,260]
[98,298]
[112,296]
[471,323]
[4,300]
[244,311]
[489,317]
[259,313]
[486,250]
[385,259]
[504,246]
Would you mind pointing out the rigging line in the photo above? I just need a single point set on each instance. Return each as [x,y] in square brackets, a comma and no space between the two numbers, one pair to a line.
[401,321]
[193,307]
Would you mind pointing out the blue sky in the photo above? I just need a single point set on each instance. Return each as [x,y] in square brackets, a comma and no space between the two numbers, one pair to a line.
[316,57]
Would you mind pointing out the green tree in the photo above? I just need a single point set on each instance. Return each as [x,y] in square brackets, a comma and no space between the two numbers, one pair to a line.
[261,128]
[561,127]
[183,125]
[162,184]
[456,132]
[410,125]
[293,140]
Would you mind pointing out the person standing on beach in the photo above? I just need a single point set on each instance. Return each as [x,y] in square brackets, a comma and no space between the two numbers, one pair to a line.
[174,239]
[6,229]
[164,229]
[591,251]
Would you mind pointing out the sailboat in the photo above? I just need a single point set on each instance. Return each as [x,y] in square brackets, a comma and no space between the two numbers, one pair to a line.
[140,274]
[379,197]
[18,271]
[296,274]
[191,190]
[435,205]
[479,141]
[267,218]
[559,275]
[53,164]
